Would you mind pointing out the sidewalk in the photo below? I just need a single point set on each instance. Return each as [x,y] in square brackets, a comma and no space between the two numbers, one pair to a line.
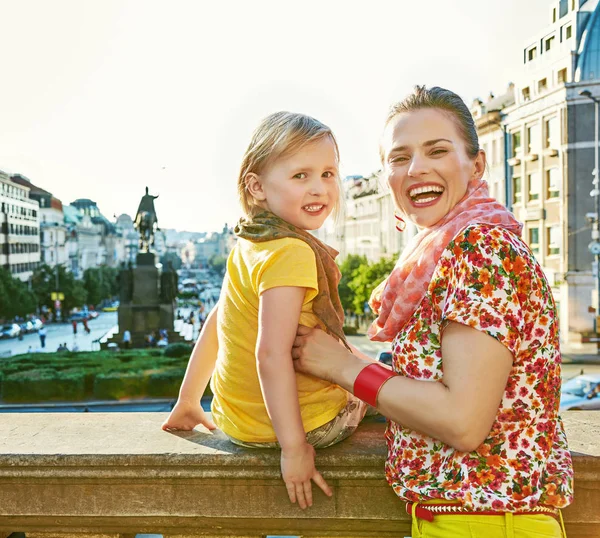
[580,353]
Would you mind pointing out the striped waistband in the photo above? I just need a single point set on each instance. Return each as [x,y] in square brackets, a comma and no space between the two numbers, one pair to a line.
[428,511]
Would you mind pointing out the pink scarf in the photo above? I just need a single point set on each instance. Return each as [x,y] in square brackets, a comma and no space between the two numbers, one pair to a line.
[396,299]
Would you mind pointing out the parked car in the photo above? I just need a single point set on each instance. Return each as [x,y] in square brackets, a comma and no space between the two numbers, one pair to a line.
[581,392]
[27,327]
[11,330]
[385,357]
[111,307]
[37,324]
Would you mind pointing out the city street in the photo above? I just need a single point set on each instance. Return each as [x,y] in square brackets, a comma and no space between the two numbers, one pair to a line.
[59,333]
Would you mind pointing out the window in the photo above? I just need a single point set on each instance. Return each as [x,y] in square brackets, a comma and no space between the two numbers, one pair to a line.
[553,182]
[516,142]
[516,189]
[568,32]
[563,7]
[562,76]
[552,133]
[553,240]
[533,181]
[553,14]
[532,53]
[526,94]
[533,138]
[550,42]
[494,156]
[543,85]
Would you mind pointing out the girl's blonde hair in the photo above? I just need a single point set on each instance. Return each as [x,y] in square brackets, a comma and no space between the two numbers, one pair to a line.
[278,135]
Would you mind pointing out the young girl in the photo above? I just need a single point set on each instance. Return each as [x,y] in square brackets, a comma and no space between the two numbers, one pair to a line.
[278,276]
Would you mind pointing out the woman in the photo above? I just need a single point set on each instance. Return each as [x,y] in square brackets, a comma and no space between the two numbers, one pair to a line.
[475,443]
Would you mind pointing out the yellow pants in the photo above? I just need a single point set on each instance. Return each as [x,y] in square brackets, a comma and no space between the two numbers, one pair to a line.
[504,526]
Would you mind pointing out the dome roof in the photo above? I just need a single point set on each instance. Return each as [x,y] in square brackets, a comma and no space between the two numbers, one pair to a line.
[588,62]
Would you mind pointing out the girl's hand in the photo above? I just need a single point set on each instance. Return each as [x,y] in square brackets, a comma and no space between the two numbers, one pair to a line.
[185,416]
[298,469]
[318,354]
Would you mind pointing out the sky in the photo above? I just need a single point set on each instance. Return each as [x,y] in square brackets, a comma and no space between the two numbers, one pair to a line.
[101,98]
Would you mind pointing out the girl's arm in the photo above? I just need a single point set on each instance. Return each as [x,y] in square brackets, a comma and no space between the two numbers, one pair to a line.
[188,412]
[459,411]
[278,316]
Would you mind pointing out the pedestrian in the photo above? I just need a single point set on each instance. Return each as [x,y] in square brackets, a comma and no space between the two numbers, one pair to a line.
[42,336]
[126,339]
[288,185]
[74,323]
[85,326]
[476,446]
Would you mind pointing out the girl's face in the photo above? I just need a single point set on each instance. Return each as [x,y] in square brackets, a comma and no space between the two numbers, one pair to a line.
[301,188]
[426,164]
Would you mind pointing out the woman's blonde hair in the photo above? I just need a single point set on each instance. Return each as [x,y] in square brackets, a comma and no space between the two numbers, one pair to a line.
[278,135]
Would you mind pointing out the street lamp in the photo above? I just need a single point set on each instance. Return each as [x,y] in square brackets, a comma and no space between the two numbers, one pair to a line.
[594,246]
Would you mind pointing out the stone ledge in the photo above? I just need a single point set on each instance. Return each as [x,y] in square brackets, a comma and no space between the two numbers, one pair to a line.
[118,474]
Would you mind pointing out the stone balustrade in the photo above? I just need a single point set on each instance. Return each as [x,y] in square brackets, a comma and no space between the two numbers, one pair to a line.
[114,475]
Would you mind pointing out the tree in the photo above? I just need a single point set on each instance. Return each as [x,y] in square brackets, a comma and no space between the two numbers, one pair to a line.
[366,278]
[100,283]
[217,264]
[173,258]
[44,283]
[348,268]
[16,299]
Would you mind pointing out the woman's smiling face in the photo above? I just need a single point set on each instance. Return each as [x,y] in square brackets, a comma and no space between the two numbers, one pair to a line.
[427,165]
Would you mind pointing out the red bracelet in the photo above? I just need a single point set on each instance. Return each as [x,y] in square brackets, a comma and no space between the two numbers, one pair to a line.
[369,381]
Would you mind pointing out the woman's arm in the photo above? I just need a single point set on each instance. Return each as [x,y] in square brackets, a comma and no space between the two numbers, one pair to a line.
[459,411]
[187,412]
[278,316]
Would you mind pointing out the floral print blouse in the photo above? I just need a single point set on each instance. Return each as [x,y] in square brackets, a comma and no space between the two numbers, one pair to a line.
[488,279]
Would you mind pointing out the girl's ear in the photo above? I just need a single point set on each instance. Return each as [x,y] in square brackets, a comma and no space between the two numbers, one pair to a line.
[254,187]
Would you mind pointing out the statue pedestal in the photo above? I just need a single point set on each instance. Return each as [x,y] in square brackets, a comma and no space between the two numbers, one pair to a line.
[167,315]
[145,285]
[145,313]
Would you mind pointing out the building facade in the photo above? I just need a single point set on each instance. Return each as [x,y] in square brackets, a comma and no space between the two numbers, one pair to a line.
[489,117]
[53,232]
[19,229]
[366,225]
[107,249]
[549,140]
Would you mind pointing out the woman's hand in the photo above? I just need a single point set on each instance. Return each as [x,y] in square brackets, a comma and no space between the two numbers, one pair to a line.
[318,354]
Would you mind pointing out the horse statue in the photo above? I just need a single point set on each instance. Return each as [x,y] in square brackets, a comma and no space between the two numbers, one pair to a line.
[146,222]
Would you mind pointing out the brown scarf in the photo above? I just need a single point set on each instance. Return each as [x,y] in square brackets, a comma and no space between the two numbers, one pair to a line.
[265,226]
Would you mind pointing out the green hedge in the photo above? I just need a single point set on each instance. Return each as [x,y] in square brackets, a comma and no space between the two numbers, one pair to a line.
[105,375]
[165,384]
[43,385]
[119,385]
[178,350]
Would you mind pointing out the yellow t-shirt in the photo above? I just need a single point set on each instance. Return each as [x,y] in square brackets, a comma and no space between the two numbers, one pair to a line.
[238,407]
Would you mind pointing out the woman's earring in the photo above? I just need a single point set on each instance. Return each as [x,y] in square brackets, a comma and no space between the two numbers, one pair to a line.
[400,225]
